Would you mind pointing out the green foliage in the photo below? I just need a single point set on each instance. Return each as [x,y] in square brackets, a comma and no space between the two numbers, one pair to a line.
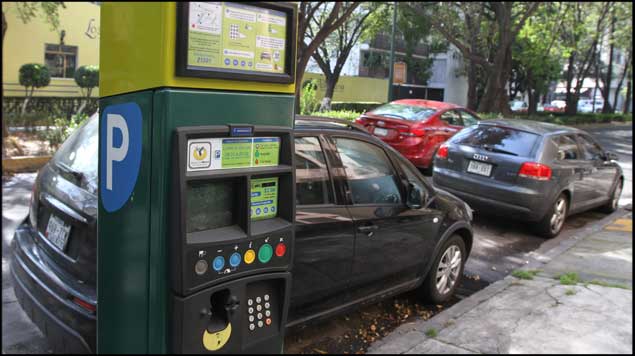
[33,75]
[432,332]
[308,101]
[48,10]
[525,274]
[61,129]
[570,291]
[611,285]
[564,119]
[338,114]
[357,106]
[569,278]
[87,77]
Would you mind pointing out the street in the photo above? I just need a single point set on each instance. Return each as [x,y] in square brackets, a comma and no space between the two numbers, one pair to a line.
[499,248]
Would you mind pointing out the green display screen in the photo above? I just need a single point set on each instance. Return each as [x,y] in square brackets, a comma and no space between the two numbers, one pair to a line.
[264,198]
[210,206]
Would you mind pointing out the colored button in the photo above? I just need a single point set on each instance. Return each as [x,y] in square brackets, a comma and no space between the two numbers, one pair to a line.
[281,249]
[250,256]
[219,263]
[265,253]
[234,260]
[268,321]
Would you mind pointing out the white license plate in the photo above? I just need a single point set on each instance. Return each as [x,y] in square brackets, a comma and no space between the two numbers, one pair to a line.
[484,169]
[380,132]
[57,232]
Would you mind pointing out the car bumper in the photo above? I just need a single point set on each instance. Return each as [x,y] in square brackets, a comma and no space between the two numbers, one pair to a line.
[46,298]
[519,203]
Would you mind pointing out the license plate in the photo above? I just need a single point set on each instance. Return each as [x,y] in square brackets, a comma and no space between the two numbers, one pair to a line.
[380,132]
[57,232]
[484,169]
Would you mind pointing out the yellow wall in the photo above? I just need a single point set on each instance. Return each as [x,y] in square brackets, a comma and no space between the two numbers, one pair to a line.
[24,43]
[352,89]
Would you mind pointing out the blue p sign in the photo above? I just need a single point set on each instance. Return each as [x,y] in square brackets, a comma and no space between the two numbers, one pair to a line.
[119,153]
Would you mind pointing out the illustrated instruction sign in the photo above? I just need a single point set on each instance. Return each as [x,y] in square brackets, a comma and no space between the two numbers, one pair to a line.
[226,153]
[264,198]
[236,36]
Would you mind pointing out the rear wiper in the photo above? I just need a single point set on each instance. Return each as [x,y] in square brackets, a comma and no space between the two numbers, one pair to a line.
[498,150]
[79,176]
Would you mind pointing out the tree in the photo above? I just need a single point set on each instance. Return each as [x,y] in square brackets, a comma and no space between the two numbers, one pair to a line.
[620,40]
[537,52]
[338,46]
[33,76]
[580,35]
[335,15]
[26,11]
[87,78]
[506,18]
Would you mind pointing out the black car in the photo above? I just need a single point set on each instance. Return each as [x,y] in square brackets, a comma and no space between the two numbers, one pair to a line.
[533,171]
[368,227]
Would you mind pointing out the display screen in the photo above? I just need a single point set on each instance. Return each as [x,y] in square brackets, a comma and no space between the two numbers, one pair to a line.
[236,37]
[211,205]
[226,153]
[264,198]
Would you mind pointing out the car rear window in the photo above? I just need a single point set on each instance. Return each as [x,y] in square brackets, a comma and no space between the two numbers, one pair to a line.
[406,112]
[498,139]
[79,151]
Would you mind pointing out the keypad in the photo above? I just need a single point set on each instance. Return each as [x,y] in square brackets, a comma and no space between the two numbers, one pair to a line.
[259,312]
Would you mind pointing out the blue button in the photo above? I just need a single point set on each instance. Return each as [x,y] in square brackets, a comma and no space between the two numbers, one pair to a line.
[226,61]
[273,209]
[234,260]
[219,263]
[235,62]
[242,63]
[257,211]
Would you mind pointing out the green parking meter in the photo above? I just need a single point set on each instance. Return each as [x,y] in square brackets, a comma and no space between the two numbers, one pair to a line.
[196,179]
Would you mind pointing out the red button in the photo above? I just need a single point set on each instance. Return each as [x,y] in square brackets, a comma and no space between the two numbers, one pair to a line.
[268,321]
[281,249]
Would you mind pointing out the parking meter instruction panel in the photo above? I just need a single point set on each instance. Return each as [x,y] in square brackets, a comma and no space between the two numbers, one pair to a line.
[232,204]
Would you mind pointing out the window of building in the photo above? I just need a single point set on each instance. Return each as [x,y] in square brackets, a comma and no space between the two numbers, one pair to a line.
[61,60]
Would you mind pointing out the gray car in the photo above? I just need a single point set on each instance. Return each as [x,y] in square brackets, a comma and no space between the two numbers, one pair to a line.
[531,171]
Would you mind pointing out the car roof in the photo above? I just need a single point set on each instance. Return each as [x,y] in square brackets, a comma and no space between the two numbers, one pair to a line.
[439,105]
[536,127]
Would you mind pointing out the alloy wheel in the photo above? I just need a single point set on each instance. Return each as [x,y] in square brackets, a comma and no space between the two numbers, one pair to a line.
[448,269]
[559,214]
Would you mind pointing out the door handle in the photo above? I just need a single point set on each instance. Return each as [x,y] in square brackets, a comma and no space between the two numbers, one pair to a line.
[368,230]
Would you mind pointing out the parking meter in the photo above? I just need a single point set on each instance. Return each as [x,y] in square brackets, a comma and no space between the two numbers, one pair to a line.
[196,177]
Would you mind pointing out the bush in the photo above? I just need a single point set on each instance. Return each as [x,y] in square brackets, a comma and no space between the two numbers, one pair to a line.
[61,129]
[46,107]
[338,114]
[33,75]
[564,119]
[357,107]
[308,101]
[87,77]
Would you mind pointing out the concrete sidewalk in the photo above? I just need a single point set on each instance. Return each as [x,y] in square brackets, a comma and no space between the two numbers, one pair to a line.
[579,300]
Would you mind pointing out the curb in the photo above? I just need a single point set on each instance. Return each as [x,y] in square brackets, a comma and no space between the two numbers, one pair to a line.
[415,331]
[24,163]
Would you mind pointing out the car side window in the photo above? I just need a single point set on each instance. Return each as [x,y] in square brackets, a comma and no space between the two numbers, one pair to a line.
[370,175]
[590,149]
[452,118]
[313,185]
[567,148]
[468,119]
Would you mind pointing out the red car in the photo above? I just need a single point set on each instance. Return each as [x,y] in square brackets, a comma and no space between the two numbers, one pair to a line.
[416,128]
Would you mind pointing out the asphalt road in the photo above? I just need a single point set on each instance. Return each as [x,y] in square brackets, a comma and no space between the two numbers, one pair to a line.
[500,247]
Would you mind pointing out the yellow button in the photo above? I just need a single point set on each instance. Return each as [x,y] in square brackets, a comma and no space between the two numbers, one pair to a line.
[250,256]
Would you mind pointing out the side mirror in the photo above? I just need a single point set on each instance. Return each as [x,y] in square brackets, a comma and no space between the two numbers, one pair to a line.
[610,156]
[415,197]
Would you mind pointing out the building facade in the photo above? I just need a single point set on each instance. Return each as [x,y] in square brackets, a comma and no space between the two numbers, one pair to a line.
[76,43]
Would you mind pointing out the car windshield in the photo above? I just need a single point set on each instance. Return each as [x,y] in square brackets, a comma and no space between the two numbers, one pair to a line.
[498,139]
[406,112]
[78,152]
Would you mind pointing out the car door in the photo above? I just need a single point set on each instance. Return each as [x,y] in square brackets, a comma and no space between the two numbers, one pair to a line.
[324,235]
[468,118]
[599,174]
[390,238]
[453,122]
[571,166]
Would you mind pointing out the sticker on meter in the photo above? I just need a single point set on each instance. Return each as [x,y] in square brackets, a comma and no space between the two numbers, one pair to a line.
[264,198]
[226,153]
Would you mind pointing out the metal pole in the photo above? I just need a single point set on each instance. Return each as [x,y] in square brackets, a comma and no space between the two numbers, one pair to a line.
[392,51]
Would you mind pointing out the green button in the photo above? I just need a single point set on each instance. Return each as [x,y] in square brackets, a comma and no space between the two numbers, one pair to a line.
[265,253]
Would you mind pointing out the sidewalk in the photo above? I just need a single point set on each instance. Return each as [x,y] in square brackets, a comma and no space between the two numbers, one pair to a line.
[544,314]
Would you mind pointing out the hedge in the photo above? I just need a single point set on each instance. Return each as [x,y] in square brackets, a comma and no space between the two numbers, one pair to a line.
[41,109]
[565,119]
[357,107]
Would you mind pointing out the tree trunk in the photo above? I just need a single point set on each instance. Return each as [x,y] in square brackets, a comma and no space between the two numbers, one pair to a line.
[495,98]
[606,92]
[627,99]
[331,81]
[571,103]
[533,96]
[472,81]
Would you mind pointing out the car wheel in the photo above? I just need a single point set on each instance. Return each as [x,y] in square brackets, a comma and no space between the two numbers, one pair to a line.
[611,205]
[551,225]
[446,272]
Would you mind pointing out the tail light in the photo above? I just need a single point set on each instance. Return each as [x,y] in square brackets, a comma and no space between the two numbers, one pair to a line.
[84,304]
[535,170]
[361,121]
[442,152]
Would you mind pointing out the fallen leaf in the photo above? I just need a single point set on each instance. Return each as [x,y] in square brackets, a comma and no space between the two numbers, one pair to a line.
[320,351]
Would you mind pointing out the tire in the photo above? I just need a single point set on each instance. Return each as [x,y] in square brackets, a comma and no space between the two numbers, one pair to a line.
[611,205]
[551,225]
[441,293]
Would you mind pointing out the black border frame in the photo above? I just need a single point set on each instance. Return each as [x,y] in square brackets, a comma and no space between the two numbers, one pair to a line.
[288,77]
